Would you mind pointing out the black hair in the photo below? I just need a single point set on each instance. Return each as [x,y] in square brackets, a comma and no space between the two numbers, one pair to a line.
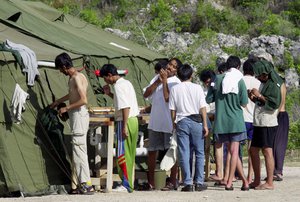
[179,63]
[207,74]
[222,68]
[63,60]
[248,66]
[161,64]
[184,72]
[108,68]
[233,62]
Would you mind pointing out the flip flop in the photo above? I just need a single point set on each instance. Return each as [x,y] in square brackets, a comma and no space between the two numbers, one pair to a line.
[252,186]
[74,191]
[229,188]
[245,188]
[277,178]
[146,187]
[219,184]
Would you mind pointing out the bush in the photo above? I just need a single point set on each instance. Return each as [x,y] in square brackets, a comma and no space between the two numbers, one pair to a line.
[90,16]
[294,135]
[241,52]
[183,22]
[161,15]
[224,21]
[71,9]
[276,25]
[288,60]
[293,12]
[293,109]
[108,21]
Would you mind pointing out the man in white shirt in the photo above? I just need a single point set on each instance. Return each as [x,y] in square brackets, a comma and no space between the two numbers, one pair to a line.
[251,82]
[160,123]
[188,110]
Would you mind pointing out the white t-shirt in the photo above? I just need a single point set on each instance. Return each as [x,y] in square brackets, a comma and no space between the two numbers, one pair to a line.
[251,82]
[186,98]
[125,97]
[211,107]
[160,116]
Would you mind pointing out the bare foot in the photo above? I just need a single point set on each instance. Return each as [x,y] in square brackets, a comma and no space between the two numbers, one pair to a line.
[264,186]
[215,178]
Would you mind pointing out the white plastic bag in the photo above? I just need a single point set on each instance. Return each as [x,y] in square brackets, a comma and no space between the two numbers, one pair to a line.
[170,157]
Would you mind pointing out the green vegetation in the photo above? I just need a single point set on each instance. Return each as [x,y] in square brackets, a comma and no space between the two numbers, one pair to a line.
[90,16]
[293,109]
[237,51]
[225,21]
[146,20]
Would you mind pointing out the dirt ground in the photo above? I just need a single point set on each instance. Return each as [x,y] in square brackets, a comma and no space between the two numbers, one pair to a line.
[286,190]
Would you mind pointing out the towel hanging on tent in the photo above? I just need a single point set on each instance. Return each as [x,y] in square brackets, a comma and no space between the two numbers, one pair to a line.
[17,103]
[28,59]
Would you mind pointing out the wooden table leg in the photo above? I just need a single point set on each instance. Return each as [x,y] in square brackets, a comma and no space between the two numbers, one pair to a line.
[110,156]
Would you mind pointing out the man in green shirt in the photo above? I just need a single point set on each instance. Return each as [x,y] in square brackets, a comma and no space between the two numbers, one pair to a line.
[230,94]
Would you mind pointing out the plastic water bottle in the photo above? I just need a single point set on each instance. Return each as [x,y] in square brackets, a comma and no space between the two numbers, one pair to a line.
[141,143]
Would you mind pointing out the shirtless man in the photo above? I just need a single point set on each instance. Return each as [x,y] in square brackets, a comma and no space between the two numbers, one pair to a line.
[281,137]
[79,123]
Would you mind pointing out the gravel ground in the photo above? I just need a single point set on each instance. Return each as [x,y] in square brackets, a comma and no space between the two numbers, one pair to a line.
[286,190]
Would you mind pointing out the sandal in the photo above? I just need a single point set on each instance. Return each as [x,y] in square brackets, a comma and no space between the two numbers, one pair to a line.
[243,188]
[219,184]
[277,178]
[229,188]
[169,187]
[74,191]
[87,190]
[146,187]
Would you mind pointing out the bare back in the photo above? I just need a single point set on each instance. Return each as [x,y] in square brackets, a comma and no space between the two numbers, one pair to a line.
[283,97]
[78,88]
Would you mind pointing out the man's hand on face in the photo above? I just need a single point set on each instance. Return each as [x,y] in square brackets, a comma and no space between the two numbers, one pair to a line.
[163,75]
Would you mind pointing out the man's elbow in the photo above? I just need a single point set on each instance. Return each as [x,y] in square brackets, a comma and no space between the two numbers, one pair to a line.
[145,95]
[84,102]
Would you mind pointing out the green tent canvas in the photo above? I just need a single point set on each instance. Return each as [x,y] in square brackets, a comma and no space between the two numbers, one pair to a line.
[25,163]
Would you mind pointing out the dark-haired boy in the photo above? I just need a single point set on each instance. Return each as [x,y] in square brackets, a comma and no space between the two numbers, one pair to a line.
[188,111]
[126,111]
[79,122]
[251,82]
[230,94]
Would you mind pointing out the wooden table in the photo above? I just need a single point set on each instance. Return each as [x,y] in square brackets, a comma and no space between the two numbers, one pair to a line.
[104,116]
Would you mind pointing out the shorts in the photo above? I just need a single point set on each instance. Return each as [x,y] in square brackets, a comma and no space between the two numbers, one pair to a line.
[159,140]
[230,137]
[249,128]
[263,136]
